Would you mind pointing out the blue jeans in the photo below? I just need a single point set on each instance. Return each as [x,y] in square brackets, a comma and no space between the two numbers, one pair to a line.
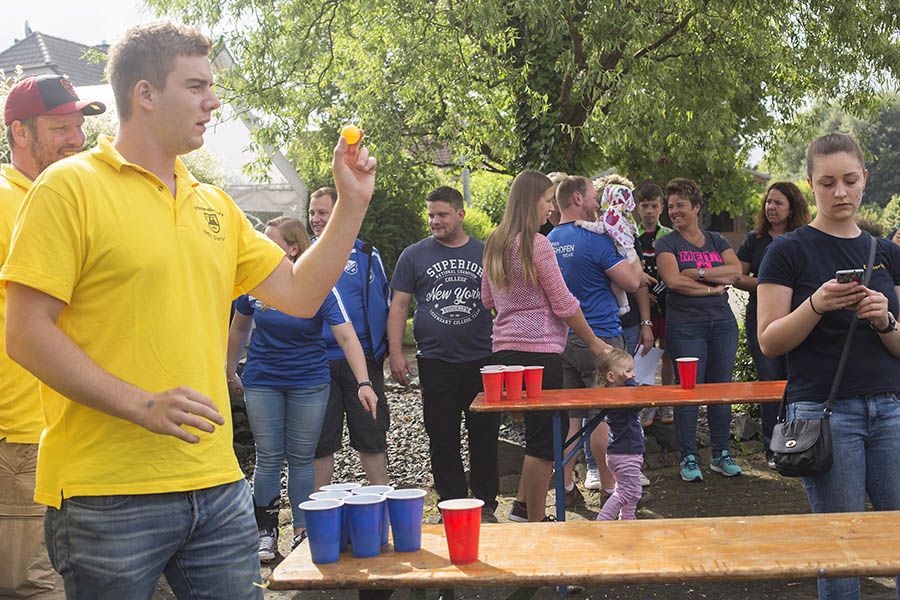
[715,344]
[285,423]
[767,369]
[116,547]
[631,337]
[865,437]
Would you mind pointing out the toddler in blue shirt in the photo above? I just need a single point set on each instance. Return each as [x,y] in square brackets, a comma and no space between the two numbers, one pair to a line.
[625,453]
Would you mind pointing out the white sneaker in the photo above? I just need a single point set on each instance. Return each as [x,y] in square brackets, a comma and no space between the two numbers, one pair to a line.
[644,481]
[592,480]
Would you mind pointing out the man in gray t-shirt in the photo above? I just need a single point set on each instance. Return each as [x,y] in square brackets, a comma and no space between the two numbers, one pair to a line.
[453,341]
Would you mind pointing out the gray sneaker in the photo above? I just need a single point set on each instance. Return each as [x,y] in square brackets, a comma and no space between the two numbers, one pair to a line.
[268,544]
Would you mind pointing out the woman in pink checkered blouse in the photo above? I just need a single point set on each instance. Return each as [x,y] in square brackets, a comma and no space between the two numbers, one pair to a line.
[535,310]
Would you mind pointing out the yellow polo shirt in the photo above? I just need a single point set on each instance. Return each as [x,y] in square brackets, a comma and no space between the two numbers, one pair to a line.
[21,416]
[147,280]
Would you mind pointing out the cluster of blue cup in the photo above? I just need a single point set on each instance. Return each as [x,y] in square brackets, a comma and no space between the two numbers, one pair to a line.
[361,517]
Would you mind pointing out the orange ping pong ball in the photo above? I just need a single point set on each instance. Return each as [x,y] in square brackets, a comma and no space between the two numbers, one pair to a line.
[351,133]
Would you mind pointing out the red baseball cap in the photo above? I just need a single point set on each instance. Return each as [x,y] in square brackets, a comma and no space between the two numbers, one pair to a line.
[46,95]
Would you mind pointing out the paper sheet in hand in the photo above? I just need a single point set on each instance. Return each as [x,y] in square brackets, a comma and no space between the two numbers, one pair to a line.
[645,366]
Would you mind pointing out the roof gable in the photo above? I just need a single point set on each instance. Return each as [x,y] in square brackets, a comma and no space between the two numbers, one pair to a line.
[40,54]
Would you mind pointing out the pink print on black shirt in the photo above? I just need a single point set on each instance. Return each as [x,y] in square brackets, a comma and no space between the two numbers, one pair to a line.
[703,260]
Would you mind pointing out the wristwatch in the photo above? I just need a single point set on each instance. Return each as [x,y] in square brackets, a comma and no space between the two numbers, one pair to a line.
[701,274]
[891,326]
[363,384]
[647,323]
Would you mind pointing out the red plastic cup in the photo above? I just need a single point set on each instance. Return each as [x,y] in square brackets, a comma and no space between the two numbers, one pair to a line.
[462,524]
[492,379]
[687,371]
[534,379]
[512,379]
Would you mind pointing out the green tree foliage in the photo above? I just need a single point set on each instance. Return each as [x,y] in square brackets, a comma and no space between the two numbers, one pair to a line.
[877,129]
[891,216]
[490,192]
[477,223]
[654,88]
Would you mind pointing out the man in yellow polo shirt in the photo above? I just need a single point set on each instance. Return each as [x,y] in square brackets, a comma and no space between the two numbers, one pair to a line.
[119,283]
[43,118]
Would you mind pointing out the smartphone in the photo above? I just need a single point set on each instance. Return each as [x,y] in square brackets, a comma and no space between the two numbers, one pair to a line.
[848,275]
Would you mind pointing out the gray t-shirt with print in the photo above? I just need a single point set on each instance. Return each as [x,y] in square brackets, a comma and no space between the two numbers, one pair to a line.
[450,321]
[693,309]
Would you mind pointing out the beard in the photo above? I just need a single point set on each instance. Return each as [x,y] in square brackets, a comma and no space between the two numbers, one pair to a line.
[44,155]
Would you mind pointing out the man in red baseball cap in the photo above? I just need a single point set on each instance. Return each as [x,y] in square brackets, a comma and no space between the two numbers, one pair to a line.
[43,117]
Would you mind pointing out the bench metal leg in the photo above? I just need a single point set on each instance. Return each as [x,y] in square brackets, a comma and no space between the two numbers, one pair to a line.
[559,476]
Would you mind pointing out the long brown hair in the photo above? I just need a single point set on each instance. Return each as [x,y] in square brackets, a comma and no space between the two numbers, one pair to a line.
[799,211]
[520,218]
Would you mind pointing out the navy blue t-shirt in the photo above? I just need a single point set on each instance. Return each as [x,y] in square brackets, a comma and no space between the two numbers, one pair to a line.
[286,351]
[626,435]
[695,309]
[803,260]
[751,251]
[450,322]
[584,258]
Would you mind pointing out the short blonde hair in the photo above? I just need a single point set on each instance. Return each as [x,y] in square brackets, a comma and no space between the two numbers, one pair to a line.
[613,357]
[148,52]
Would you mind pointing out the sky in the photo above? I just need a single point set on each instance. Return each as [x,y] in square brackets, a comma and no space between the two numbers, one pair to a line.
[90,22]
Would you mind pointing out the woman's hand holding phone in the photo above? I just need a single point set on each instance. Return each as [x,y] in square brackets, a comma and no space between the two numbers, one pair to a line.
[832,295]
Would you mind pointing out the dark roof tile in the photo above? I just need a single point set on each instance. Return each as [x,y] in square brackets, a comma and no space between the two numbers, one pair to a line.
[40,53]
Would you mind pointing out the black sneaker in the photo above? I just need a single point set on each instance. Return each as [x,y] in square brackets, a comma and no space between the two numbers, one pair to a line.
[518,512]
[298,539]
[770,459]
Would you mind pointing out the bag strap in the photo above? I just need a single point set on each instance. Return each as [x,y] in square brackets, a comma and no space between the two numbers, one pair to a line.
[845,352]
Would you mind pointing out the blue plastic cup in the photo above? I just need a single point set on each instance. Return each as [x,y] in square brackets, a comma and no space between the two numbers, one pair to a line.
[366,516]
[323,527]
[345,523]
[340,487]
[379,490]
[406,508]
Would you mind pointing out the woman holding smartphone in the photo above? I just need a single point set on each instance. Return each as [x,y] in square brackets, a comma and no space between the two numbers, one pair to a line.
[805,312]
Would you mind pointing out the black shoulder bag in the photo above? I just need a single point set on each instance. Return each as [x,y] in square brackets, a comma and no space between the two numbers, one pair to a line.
[802,447]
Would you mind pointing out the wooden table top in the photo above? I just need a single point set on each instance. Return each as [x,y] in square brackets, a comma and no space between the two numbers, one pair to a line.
[641,396]
[643,551]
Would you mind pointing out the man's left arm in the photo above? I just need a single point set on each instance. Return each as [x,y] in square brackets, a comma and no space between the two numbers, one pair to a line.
[300,288]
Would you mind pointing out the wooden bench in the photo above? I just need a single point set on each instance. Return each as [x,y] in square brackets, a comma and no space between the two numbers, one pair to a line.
[622,397]
[532,555]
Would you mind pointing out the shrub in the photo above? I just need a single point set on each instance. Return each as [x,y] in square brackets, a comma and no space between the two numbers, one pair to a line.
[744,369]
[489,193]
[891,216]
[478,224]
